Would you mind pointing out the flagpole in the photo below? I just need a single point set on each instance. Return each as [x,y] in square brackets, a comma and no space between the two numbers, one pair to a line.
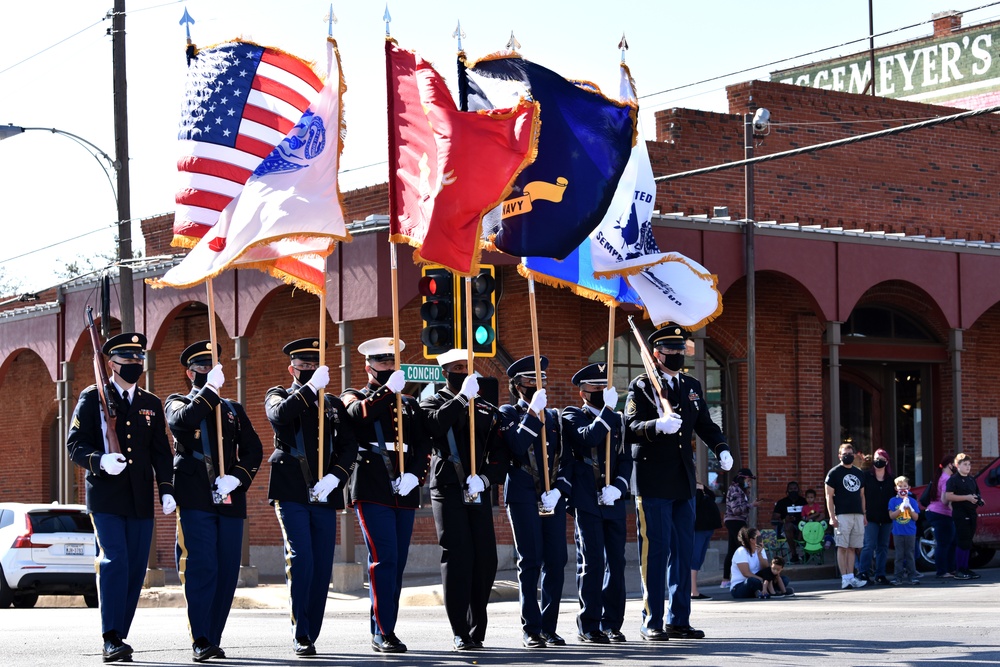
[538,377]
[647,361]
[221,468]
[395,351]
[470,359]
[322,362]
[611,376]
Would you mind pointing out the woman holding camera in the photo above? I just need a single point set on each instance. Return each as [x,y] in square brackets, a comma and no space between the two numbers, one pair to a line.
[963,494]
[939,516]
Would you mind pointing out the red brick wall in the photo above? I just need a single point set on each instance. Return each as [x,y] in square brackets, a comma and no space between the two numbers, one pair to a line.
[30,408]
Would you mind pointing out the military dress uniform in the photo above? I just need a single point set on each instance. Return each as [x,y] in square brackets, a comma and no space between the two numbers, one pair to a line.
[600,531]
[540,541]
[309,528]
[664,484]
[209,535]
[465,531]
[121,506]
[386,518]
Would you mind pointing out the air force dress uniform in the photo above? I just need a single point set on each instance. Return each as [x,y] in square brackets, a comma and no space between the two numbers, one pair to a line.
[309,528]
[600,525]
[209,522]
[121,502]
[384,497]
[664,484]
[540,541]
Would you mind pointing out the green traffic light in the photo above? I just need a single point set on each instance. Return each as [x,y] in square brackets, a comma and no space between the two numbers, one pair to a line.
[482,336]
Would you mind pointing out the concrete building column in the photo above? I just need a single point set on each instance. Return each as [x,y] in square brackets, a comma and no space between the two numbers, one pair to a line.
[248,577]
[834,342]
[155,577]
[348,575]
[955,342]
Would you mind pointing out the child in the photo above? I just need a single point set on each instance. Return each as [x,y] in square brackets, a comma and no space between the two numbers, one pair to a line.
[775,583]
[903,510]
[812,510]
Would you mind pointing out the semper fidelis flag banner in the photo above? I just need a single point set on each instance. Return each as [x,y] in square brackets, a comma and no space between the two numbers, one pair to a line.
[448,167]
[583,148]
[288,216]
[240,101]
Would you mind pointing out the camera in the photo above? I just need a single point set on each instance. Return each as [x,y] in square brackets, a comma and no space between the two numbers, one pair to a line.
[979,501]
[761,121]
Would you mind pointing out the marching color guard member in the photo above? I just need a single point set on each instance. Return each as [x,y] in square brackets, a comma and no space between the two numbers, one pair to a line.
[303,496]
[383,496]
[463,512]
[211,496]
[664,483]
[119,486]
[540,541]
[600,503]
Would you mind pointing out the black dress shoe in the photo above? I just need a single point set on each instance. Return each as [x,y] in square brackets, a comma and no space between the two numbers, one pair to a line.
[476,643]
[684,632]
[202,650]
[388,643]
[653,634]
[303,646]
[115,650]
[552,639]
[594,637]
[533,640]
[464,644]
[615,636]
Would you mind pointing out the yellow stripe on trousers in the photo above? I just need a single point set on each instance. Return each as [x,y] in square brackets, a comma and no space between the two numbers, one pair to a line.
[643,554]
[288,559]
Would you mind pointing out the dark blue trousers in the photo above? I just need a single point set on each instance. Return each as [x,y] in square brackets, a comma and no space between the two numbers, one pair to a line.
[310,535]
[600,572]
[387,532]
[208,555]
[123,552]
[541,555]
[666,546]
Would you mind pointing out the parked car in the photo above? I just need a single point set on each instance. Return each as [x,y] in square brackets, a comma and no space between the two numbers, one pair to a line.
[46,550]
[987,538]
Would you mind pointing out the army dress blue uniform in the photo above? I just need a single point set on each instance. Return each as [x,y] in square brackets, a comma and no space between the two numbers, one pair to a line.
[600,530]
[664,485]
[121,506]
[540,541]
[386,518]
[209,535]
[309,529]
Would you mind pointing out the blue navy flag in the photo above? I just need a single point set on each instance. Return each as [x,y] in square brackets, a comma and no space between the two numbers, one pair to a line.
[583,147]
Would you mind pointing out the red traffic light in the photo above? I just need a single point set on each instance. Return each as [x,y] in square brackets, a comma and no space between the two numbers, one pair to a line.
[435,286]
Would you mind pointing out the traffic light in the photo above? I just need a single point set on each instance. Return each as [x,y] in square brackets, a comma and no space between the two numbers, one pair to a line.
[437,310]
[484,312]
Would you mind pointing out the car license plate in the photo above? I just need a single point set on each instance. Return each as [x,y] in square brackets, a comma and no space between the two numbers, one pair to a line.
[74,549]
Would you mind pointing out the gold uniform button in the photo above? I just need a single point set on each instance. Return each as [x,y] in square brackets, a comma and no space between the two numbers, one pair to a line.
[129,449]
[128,423]
[130,460]
[129,436]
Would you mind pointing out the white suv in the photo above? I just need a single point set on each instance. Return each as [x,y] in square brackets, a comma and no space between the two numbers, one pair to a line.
[46,550]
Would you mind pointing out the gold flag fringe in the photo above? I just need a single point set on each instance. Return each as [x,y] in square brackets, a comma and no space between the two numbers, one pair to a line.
[576,288]
[668,257]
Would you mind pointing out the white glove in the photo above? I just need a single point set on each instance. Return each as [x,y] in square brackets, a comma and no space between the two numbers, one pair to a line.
[669,424]
[550,499]
[226,484]
[470,387]
[475,484]
[320,378]
[726,461]
[610,494]
[396,382]
[169,504]
[611,398]
[406,483]
[113,464]
[216,377]
[538,402]
[325,486]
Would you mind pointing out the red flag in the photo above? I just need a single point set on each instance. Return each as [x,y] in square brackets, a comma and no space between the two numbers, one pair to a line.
[448,167]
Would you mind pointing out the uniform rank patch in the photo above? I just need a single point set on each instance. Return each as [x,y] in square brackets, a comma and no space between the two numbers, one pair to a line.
[274,400]
[76,422]
[631,407]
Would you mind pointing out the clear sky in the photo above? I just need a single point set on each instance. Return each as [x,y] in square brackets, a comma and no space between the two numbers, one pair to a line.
[52,191]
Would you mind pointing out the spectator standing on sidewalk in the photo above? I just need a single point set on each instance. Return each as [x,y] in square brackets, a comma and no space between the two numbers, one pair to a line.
[939,516]
[706,521]
[845,504]
[963,494]
[879,489]
[903,509]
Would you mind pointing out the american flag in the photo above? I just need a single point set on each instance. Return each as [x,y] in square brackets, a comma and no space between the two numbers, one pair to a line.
[240,101]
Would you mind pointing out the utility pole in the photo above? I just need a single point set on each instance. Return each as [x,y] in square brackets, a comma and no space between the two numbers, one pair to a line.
[121,155]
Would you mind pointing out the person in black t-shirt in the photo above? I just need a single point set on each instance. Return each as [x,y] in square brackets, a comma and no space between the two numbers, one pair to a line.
[963,494]
[845,503]
[787,515]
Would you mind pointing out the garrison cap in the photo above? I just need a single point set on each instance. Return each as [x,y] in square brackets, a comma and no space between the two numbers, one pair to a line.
[306,349]
[380,349]
[745,472]
[452,356]
[200,353]
[526,366]
[592,374]
[128,345]
[671,336]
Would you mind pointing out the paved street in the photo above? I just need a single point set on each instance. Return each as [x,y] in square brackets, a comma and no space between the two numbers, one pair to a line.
[936,623]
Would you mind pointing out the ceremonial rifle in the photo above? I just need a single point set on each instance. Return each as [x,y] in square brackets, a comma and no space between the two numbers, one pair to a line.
[109,399]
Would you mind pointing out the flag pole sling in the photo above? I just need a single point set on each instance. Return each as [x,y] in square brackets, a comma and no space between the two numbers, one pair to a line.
[221,467]
[611,375]
[647,361]
[322,362]
[395,350]
[469,340]
[538,377]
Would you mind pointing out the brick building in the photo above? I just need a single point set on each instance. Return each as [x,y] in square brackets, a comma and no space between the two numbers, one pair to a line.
[876,312]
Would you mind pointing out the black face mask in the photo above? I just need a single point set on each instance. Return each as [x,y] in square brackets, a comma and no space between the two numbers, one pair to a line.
[847,459]
[130,372]
[673,362]
[382,377]
[455,380]
[879,463]
[200,379]
[596,399]
[526,392]
[306,375]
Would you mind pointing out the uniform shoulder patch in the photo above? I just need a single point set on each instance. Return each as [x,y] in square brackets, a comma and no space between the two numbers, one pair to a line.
[177,405]
[274,399]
